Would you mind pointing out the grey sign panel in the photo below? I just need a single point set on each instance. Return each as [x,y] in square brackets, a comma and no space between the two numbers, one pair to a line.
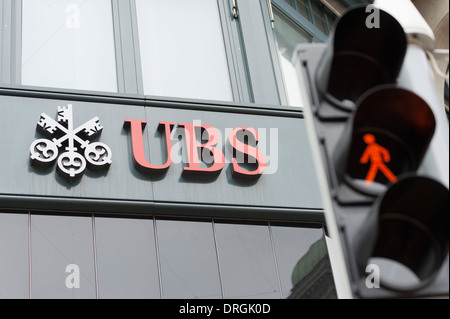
[289,180]
[17,175]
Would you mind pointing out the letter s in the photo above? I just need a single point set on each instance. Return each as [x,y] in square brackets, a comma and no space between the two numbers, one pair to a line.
[247,150]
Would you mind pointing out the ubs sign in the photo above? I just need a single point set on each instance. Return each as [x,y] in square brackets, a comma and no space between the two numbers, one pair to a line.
[73,149]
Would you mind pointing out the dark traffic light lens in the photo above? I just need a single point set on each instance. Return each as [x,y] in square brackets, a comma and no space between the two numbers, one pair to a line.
[409,225]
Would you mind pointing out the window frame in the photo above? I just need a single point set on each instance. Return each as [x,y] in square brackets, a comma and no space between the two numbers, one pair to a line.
[300,20]
[303,23]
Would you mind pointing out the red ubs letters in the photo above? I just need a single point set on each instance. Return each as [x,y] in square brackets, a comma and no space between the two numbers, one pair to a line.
[240,150]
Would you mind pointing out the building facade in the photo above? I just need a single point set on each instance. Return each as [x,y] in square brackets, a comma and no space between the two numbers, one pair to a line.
[157,149]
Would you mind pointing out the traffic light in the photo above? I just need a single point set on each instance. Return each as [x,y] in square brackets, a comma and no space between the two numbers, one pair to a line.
[370,137]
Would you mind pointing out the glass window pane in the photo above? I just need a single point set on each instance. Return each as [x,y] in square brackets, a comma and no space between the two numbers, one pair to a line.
[303,8]
[182,49]
[288,36]
[60,244]
[291,3]
[331,17]
[68,44]
[188,260]
[247,261]
[14,268]
[319,16]
[303,263]
[126,258]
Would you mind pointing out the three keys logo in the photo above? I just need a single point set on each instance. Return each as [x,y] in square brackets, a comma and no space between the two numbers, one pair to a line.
[75,143]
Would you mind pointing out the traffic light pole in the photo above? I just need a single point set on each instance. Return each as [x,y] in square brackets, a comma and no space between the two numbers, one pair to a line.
[379,138]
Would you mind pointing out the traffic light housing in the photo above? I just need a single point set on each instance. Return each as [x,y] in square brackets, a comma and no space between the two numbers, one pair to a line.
[370,138]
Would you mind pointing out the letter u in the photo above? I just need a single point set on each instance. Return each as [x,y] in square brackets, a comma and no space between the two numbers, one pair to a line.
[139,161]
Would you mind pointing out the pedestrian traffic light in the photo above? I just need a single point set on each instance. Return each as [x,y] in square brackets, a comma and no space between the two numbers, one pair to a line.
[370,137]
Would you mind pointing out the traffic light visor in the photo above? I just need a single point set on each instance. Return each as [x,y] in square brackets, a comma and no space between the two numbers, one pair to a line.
[360,57]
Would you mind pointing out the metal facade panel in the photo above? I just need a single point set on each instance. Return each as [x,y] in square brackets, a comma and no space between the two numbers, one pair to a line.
[292,185]
[290,180]
[17,176]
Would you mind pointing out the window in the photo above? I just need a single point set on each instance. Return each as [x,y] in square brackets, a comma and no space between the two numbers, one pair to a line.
[14,270]
[150,257]
[289,35]
[315,12]
[126,258]
[247,261]
[182,49]
[188,260]
[298,22]
[56,243]
[319,16]
[172,49]
[302,6]
[68,44]
[301,255]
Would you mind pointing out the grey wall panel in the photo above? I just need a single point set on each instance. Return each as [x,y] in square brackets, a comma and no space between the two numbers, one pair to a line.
[292,185]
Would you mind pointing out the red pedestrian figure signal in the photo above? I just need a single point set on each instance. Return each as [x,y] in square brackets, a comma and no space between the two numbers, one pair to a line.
[378,156]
